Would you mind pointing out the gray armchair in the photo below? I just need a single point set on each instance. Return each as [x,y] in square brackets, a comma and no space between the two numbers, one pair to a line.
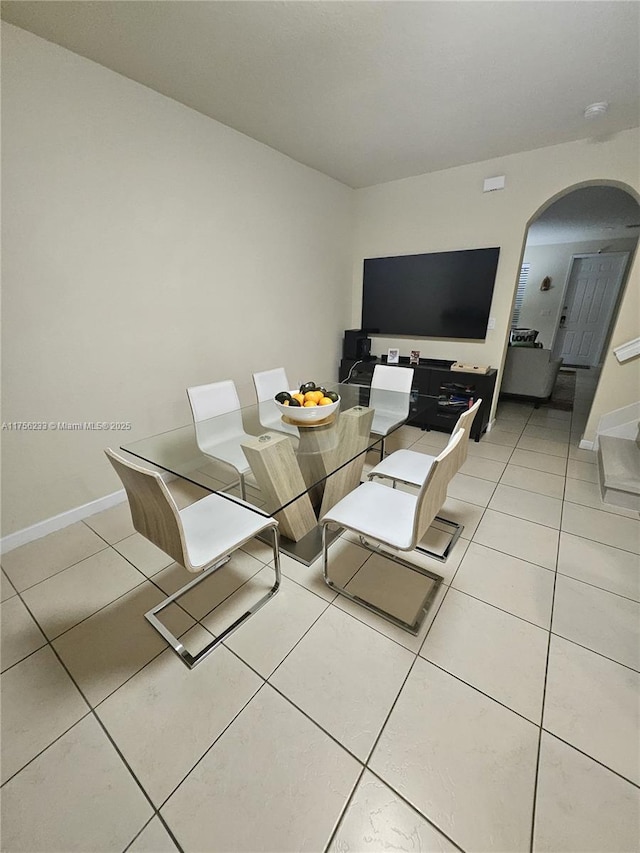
[529,372]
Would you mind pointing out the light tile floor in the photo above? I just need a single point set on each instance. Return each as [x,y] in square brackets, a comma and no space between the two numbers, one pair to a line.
[511,723]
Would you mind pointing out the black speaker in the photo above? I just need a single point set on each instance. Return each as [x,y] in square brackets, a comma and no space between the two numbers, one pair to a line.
[356,344]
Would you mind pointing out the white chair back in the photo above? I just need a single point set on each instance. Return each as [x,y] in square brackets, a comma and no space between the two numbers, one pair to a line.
[465,421]
[217,400]
[390,403]
[269,382]
[464,424]
[153,510]
[433,492]
[390,393]
[392,378]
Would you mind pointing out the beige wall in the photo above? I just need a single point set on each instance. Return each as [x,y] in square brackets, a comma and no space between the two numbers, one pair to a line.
[541,309]
[619,384]
[447,210]
[145,248]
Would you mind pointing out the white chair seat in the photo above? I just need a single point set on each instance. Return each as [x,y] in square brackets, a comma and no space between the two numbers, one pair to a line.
[390,398]
[234,524]
[384,422]
[270,418]
[227,451]
[407,466]
[377,512]
[201,537]
[399,520]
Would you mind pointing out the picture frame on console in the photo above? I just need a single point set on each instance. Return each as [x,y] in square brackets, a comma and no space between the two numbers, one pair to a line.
[414,357]
[393,356]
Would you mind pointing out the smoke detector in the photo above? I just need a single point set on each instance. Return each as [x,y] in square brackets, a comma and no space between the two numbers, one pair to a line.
[596,110]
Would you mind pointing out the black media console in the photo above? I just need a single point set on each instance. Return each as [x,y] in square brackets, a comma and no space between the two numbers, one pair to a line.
[454,390]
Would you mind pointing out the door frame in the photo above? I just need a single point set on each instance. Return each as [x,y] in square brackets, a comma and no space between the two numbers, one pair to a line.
[614,304]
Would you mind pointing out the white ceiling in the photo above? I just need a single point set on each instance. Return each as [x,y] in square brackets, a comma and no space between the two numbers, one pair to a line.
[368,92]
[590,213]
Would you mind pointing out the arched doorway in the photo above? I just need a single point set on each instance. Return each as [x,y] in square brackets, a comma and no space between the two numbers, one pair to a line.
[576,260]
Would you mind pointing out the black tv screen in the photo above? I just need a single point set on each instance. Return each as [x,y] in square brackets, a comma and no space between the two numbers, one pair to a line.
[439,295]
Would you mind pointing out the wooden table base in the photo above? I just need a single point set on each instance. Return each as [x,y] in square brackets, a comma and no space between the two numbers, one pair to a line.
[281,475]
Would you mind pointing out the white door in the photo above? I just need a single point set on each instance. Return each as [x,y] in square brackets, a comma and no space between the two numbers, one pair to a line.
[592,291]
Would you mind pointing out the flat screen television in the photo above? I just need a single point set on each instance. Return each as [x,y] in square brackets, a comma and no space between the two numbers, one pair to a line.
[438,295]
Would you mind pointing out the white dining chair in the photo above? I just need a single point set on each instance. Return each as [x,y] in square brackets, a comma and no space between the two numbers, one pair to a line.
[390,399]
[268,383]
[201,538]
[218,423]
[391,518]
[411,467]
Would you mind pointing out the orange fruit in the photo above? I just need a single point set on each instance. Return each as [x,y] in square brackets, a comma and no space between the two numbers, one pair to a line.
[319,396]
[308,403]
[299,398]
[325,402]
[310,395]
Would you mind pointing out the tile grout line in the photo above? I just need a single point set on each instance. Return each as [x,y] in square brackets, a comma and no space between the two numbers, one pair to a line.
[135,838]
[501,609]
[416,655]
[595,652]
[45,748]
[393,705]
[591,758]
[59,571]
[546,673]
[413,808]
[550,633]
[166,647]
[482,692]
[212,744]
[92,709]
[297,643]
[95,716]
[597,541]
[539,726]
[264,682]
[343,811]
[600,588]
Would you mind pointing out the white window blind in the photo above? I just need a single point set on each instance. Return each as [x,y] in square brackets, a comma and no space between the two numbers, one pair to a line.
[522,284]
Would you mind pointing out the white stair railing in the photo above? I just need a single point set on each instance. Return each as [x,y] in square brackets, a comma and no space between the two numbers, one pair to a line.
[626,351]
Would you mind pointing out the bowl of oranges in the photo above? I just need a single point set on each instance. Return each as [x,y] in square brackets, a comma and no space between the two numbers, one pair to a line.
[308,404]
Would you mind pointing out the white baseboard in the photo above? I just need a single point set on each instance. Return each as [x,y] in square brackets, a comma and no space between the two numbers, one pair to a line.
[586,445]
[57,522]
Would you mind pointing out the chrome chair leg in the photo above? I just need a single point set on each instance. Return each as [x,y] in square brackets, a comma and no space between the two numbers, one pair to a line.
[457,530]
[185,656]
[411,627]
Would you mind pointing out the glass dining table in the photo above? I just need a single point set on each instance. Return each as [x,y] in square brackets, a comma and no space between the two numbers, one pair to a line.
[289,470]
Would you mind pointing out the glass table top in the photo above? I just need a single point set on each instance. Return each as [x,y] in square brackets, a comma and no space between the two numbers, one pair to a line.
[211,454]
